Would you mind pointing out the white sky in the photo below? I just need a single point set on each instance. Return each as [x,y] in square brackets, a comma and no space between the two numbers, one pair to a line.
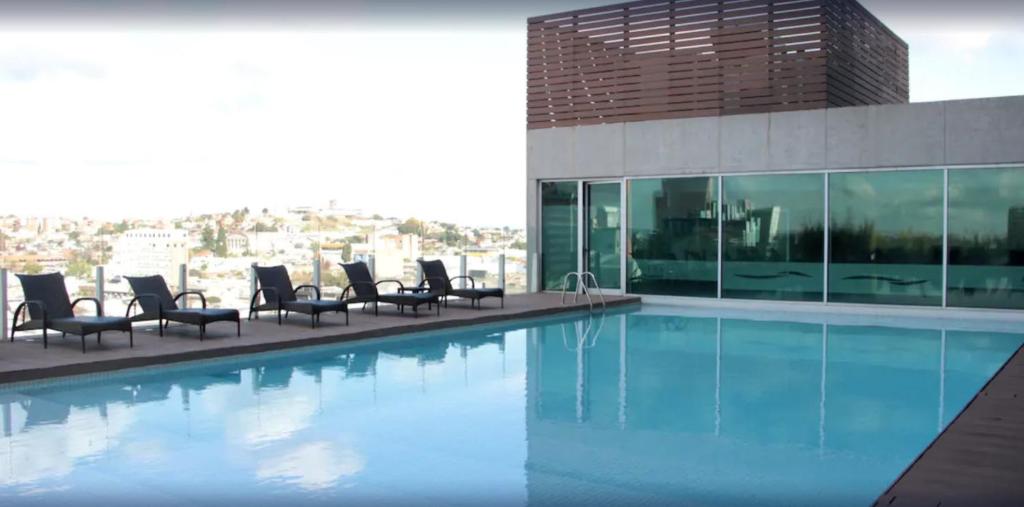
[412,121]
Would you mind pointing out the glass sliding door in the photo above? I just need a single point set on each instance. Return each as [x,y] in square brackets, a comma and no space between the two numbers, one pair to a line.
[773,229]
[986,238]
[559,232]
[603,218]
[673,237]
[885,236]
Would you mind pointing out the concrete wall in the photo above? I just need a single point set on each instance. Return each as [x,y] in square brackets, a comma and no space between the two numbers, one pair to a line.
[928,134]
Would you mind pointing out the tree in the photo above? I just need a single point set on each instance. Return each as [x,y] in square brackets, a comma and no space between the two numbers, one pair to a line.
[206,238]
[221,245]
[410,226]
[346,252]
[78,268]
[33,268]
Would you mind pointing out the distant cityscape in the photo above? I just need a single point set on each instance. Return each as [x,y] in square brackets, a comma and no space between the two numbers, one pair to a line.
[218,249]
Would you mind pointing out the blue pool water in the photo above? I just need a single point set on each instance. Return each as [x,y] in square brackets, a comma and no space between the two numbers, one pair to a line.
[656,406]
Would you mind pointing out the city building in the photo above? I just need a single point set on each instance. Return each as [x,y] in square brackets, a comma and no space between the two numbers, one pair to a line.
[142,252]
[764,151]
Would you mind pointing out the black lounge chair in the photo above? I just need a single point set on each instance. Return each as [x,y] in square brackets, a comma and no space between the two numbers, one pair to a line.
[278,295]
[152,294]
[364,290]
[436,277]
[48,305]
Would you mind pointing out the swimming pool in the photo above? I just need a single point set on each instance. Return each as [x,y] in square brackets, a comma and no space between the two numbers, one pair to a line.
[657,405]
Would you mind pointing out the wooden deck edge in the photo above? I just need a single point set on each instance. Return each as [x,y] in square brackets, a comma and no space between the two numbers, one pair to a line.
[422,325]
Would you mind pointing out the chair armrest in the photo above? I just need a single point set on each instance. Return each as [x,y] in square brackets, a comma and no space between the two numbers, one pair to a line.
[352,286]
[24,307]
[99,306]
[472,283]
[264,290]
[192,293]
[316,290]
[137,298]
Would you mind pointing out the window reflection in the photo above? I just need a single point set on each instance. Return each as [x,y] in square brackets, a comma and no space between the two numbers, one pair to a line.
[773,232]
[886,237]
[986,238]
[673,237]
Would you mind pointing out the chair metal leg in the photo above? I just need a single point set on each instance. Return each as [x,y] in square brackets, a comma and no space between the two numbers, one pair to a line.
[131,337]
[99,337]
[279,316]
[160,326]
[202,331]
[45,345]
[312,319]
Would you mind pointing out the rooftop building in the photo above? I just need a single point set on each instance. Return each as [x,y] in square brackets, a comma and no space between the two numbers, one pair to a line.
[763,151]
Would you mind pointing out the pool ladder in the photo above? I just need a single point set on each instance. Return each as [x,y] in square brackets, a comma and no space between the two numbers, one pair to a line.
[581,288]
[586,333]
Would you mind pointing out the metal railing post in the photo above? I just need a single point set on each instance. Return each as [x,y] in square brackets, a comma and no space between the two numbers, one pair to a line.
[419,270]
[316,272]
[501,271]
[462,271]
[100,292]
[252,281]
[183,283]
[372,264]
[4,331]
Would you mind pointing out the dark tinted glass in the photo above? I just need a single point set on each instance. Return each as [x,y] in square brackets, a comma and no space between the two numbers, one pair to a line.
[773,227]
[673,237]
[886,237]
[986,238]
[559,239]
[603,239]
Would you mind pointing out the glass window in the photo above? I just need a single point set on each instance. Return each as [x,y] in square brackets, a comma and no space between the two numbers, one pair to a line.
[986,238]
[886,237]
[603,249]
[773,227]
[559,241]
[673,237]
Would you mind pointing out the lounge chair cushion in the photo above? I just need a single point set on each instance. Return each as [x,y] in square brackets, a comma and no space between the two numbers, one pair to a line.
[408,299]
[154,286]
[477,293]
[275,277]
[314,306]
[51,291]
[200,316]
[89,325]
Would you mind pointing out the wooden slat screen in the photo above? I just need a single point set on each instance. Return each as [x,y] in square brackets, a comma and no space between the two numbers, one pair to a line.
[653,59]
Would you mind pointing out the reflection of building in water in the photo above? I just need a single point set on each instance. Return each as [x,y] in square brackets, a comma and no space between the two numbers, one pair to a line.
[143,252]
[1015,235]
[660,409]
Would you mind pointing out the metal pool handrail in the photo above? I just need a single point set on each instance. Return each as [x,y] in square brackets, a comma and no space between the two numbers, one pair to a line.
[581,287]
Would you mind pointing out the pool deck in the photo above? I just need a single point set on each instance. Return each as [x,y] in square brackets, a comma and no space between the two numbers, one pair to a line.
[25,359]
[979,458]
